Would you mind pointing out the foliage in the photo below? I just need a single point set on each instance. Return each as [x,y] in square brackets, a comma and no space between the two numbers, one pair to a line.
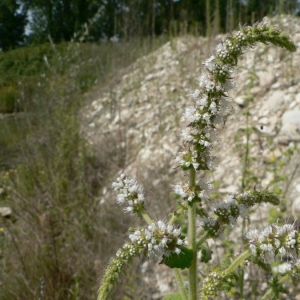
[57,216]
[25,70]
[12,24]
[127,19]
[59,19]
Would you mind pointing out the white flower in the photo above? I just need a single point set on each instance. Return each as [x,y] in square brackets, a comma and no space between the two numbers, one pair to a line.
[202,101]
[179,191]
[252,234]
[130,193]
[191,114]
[195,94]
[161,225]
[213,108]
[186,135]
[177,251]
[209,64]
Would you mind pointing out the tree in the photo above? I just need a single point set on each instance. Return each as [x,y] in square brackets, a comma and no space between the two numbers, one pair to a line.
[59,19]
[12,24]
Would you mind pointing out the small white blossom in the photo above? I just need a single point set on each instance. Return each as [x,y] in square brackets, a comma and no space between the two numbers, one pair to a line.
[191,114]
[158,239]
[202,101]
[195,94]
[209,63]
[130,193]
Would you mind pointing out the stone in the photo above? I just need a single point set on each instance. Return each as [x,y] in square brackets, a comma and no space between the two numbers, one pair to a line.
[290,130]
[231,189]
[291,117]
[5,212]
[266,78]
[275,100]
[264,121]
[240,101]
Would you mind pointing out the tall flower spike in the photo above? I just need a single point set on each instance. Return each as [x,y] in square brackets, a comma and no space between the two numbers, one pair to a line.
[116,267]
[208,113]
[210,107]
[130,194]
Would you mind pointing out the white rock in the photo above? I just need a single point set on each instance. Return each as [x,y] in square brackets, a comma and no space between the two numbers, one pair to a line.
[266,78]
[291,117]
[5,211]
[240,100]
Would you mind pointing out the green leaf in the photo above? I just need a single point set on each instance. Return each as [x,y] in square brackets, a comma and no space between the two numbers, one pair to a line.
[277,288]
[206,253]
[181,261]
[173,297]
[265,266]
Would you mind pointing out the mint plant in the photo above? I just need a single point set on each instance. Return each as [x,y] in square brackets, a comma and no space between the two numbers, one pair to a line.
[164,241]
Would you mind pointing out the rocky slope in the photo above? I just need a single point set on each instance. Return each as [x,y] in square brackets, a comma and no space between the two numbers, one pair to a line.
[143,111]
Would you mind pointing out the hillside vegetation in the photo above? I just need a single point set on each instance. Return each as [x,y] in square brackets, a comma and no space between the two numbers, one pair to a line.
[54,241]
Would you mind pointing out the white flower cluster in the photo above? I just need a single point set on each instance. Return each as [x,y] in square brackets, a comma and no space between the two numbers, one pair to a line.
[158,239]
[274,240]
[186,193]
[210,105]
[130,193]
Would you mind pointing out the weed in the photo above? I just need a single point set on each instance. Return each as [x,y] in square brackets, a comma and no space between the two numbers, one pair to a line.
[167,242]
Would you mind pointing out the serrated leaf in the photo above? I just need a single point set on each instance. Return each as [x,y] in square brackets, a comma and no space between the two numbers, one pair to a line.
[226,288]
[265,266]
[172,297]
[181,261]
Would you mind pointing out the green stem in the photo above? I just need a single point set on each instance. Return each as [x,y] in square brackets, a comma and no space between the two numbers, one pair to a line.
[241,258]
[146,217]
[241,282]
[202,239]
[192,241]
[246,158]
[179,280]
[244,178]
[269,292]
[174,216]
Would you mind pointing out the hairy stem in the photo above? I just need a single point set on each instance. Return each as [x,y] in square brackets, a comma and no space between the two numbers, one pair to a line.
[202,239]
[245,172]
[175,216]
[146,217]
[240,259]
[192,241]
[179,280]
